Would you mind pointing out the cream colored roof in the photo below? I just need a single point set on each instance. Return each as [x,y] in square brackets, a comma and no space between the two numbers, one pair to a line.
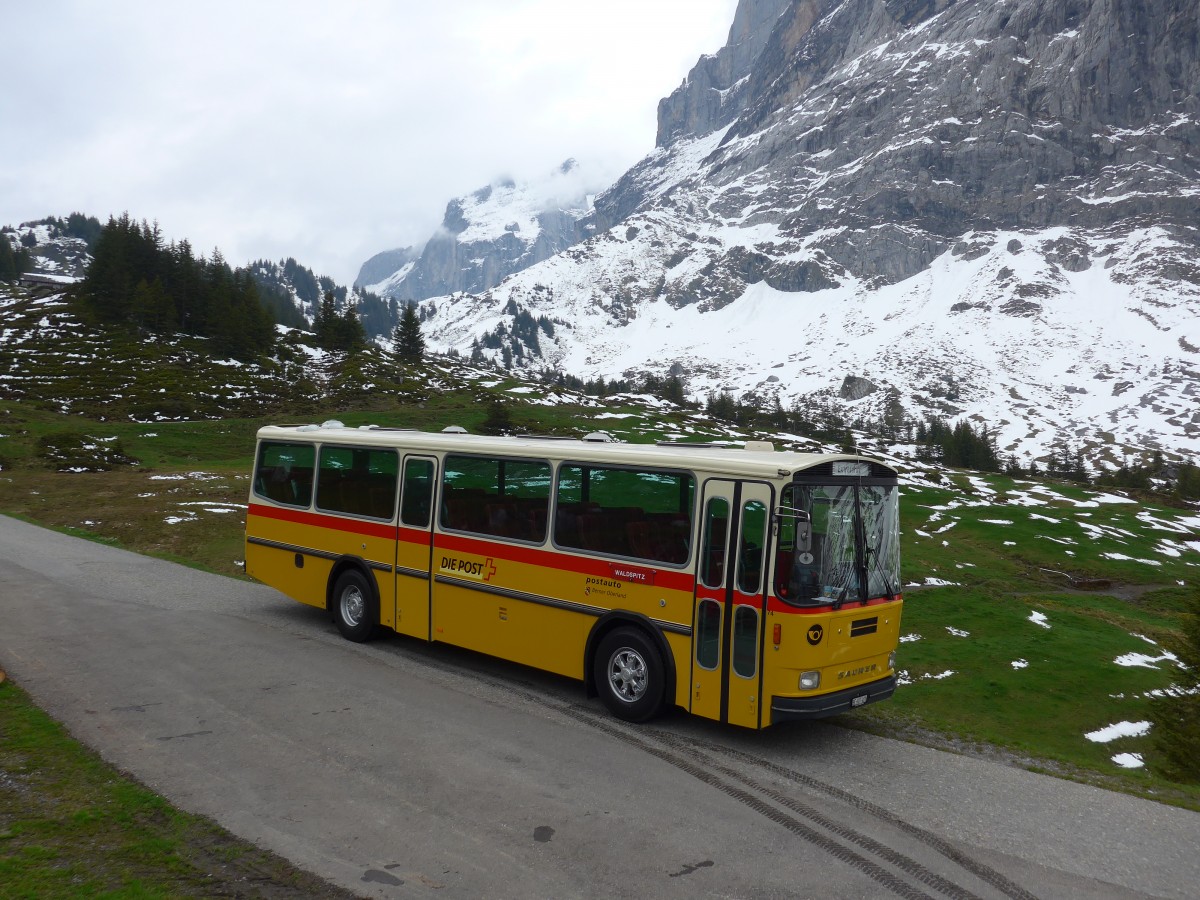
[760,464]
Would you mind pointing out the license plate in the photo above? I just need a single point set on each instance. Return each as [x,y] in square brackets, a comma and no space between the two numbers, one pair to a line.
[860,700]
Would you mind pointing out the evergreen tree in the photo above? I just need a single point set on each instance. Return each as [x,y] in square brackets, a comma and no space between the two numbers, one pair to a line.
[134,281]
[1187,482]
[672,389]
[498,419]
[350,334]
[152,308]
[8,260]
[407,342]
[325,323]
[86,228]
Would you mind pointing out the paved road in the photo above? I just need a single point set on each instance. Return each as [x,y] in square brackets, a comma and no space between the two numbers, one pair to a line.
[402,770]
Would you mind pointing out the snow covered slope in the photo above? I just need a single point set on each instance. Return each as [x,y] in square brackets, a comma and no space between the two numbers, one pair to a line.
[974,208]
[500,229]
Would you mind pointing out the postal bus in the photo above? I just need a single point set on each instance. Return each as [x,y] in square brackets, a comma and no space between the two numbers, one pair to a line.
[745,585]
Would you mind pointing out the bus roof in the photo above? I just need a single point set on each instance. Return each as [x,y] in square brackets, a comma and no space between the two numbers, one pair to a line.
[757,461]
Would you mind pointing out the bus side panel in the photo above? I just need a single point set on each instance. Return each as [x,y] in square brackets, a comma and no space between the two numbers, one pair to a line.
[276,566]
[531,634]
[351,537]
[331,537]
[537,607]
[412,591]
[681,649]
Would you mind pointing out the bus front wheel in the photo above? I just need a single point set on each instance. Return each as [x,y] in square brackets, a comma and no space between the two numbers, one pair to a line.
[354,607]
[629,675]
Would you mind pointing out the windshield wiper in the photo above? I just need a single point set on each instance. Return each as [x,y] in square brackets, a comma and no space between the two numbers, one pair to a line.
[887,582]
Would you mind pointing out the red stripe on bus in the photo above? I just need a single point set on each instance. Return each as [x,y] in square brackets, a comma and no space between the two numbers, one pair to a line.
[774,604]
[337,523]
[667,579]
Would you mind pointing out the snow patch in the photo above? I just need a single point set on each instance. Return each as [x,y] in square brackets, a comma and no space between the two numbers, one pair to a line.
[1118,730]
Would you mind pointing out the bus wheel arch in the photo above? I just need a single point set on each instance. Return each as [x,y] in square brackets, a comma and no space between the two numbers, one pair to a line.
[654,653]
[353,600]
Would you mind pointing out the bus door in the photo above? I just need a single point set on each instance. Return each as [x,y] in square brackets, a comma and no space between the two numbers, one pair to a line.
[414,545]
[729,603]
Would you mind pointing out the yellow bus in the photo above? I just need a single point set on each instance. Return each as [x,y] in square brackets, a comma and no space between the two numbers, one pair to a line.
[745,585]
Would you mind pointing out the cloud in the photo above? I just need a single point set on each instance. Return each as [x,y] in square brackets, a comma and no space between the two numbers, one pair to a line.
[326,132]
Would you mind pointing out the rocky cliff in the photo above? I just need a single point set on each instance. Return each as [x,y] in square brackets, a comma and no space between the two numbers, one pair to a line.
[982,208]
[716,89]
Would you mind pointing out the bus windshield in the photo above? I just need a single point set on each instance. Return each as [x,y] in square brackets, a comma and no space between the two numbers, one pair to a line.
[839,543]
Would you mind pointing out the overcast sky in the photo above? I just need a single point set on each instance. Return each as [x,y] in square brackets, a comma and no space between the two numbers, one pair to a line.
[325,131]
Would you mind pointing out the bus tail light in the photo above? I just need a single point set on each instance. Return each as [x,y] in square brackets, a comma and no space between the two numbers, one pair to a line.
[810,681]
[777,633]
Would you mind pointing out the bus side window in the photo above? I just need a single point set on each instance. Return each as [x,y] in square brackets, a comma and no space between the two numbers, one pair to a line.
[716,527]
[417,499]
[284,472]
[499,497]
[750,551]
[642,514]
[357,481]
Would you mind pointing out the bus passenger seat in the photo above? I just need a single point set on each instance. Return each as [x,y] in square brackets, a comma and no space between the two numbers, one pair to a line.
[279,487]
[642,541]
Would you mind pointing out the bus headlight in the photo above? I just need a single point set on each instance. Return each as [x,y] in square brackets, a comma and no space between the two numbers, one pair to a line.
[892,660]
[810,681]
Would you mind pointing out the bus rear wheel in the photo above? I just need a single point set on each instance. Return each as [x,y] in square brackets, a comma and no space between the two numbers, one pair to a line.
[629,674]
[354,606]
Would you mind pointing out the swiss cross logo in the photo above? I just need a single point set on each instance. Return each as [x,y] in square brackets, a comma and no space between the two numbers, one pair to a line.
[489,569]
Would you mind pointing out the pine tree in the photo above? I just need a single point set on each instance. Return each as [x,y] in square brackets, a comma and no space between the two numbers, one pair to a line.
[134,281]
[498,419]
[152,307]
[8,261]
[325,323]
[672,389]
[1187,483]
[351,336]
[407,342]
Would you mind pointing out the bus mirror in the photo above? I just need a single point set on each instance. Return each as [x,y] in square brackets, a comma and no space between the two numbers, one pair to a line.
[803,532]
[803,522]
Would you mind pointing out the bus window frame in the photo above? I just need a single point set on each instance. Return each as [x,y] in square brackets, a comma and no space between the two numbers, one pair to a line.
[312,486]
[316,490]
[442,487]
[434,480]
[639,560]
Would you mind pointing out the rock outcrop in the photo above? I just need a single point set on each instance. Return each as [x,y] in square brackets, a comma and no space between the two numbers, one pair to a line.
[715,91]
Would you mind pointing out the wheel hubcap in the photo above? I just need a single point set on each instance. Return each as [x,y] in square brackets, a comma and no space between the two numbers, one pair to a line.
[627,675]
[353,606]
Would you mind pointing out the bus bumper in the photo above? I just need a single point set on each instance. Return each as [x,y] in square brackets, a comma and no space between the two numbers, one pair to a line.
[784,709]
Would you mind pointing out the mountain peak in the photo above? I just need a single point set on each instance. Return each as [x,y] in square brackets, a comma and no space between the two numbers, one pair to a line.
[986,210]
[490,233]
